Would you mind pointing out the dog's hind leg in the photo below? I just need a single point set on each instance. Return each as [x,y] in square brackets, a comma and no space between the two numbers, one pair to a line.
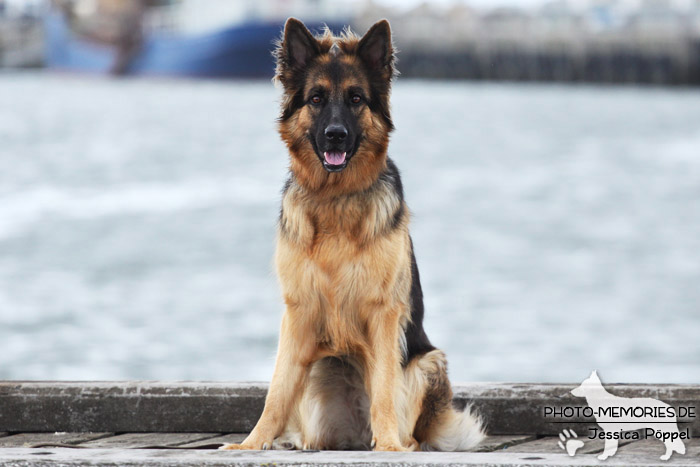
[427,414]
[409,398]
[609,449]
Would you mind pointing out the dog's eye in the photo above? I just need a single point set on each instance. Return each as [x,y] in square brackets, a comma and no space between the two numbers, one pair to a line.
[315,99]
[356,99]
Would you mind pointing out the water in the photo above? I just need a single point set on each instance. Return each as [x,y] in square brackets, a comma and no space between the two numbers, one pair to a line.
[557,228]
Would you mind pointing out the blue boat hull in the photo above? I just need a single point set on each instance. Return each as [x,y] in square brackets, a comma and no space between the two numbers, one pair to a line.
[240,51]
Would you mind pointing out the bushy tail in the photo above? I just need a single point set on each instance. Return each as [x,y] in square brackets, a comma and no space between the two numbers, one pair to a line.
[455,431]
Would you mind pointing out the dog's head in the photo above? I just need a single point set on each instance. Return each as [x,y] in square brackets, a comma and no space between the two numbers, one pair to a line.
[335,110]
[589,383]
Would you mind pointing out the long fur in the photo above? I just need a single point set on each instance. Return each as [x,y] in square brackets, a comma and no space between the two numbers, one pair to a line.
[354,369]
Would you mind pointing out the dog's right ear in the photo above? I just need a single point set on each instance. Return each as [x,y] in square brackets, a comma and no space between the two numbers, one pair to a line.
[298,47]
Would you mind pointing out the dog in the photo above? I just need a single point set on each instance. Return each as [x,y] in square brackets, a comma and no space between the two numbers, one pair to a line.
[603,404]
[354,368]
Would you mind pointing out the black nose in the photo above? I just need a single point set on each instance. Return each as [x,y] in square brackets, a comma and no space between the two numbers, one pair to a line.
[336,133]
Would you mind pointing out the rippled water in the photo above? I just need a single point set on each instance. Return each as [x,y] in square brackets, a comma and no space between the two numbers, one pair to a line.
[557,228]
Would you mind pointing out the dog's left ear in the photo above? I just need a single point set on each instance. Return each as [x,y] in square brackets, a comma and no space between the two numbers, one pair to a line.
[376,51]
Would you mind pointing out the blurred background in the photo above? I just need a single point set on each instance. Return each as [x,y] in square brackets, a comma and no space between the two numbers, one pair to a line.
[550,154]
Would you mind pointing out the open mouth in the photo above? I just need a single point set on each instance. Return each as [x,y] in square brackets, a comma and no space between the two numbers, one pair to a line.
[335,161]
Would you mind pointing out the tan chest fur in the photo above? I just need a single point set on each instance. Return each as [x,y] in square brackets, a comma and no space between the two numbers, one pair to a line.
[343,262]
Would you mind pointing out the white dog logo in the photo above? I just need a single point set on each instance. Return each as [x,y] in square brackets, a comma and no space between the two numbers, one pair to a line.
[617,414]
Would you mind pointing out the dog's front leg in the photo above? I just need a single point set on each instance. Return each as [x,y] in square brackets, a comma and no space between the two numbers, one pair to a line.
[294,357]
[383,367]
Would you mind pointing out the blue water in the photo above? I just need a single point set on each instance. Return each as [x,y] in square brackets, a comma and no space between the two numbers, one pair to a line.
[557,228]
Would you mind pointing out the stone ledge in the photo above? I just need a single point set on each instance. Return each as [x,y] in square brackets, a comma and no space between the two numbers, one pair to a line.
[146,406]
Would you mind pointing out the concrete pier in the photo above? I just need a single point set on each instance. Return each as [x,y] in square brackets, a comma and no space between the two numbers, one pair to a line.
[156,423]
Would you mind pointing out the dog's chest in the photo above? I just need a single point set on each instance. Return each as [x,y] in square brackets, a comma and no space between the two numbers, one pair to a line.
[340,261]
[337,266]
[335,291]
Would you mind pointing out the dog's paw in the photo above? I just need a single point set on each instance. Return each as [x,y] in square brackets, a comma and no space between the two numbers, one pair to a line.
[387,446]
[228,447]
[414,445]
[390,447]
[569,443]
[246,446]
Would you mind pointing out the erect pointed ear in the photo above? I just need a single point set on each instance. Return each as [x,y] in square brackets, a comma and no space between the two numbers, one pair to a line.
[594,375]
[299,45]
[376,50]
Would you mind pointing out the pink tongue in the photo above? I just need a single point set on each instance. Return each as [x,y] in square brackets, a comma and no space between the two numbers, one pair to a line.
[334,158]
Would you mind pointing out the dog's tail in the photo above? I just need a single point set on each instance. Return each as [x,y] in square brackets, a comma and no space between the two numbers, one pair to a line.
[455,431]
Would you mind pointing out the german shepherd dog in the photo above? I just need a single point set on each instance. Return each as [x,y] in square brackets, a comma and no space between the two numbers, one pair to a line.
[354,368]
